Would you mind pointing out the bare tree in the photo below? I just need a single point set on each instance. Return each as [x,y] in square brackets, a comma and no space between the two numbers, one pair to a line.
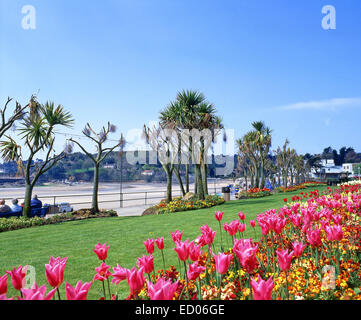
[99,139]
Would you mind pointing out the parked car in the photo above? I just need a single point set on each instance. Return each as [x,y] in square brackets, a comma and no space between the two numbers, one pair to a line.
[65,207]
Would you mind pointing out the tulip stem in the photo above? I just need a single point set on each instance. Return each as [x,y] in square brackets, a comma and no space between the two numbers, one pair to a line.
[104,290]
[110,296]
[57,290]
[185,269]
[163,259]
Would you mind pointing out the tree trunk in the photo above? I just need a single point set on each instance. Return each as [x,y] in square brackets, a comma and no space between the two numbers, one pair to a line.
[27,200]
[169,183]
[200,188]
[187,177]
[95,207]
[204,177]
[179,178]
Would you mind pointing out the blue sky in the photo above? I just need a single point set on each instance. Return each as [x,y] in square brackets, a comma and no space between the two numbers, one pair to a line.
[123,61]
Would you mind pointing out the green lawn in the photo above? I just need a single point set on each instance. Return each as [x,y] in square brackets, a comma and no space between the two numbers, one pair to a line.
[125,236]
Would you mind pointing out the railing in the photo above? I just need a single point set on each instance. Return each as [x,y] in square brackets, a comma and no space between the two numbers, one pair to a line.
[119,198]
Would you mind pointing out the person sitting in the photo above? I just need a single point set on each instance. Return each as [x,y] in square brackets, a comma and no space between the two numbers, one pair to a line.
[35,202]
[16,208]
[4,208]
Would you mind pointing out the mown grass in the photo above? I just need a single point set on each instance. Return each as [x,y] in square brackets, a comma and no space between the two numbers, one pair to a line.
[125,235]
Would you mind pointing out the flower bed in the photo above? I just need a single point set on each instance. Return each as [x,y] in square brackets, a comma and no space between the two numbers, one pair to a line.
[8,224]
[308,250]
[254,193]
[179,204]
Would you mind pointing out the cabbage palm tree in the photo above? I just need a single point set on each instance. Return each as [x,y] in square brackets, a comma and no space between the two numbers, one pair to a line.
[37,132]
[18,113]
[99,139]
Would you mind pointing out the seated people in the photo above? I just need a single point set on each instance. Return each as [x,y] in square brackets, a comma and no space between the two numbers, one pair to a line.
[4,208]
[35,202]
[16,208]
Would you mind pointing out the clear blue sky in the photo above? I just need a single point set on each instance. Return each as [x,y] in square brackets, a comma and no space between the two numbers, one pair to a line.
[123,61]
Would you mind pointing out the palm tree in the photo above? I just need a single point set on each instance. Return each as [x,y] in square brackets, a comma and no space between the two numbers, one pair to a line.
[18,113]
[37,131]
[262,139]
[99,139]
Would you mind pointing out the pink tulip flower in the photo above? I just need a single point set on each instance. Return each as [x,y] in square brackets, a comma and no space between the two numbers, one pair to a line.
[246,253]
[147,262]
[176,236]
[314,237]
[241,216]
[207,235]
[252,223]
[160,243]
[3,284]
[241,227]
[18,277]
[119,274]
[232,227]
[101,250]
[262,290]
[162,290]
[194,251]
[37,293]
[222,262]
[135,280]
[54,271]
[149,245]
[102,272]
[80,291]
[334,233]
[284,259]
[3,297]
[218,215]
[194,270]
[298,248]
[182,249]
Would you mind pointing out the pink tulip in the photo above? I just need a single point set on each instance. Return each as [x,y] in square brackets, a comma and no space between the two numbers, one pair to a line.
[218,215]
[207,235]
[222,262]
[252,223]
[160,243]
[119,274]
[101,251]
[231,228]
[182,249]
[194,251]
[262,290]
[298,248]
[241,216]
[284,259]
[149,245]
[37,293]
[3,284]
[147,262]
[162,290]
[80,291]
[241,227]
[194,270]
[176,236]
[135,280]
[314,237]
[334,233]
[246,253]
[18,277]
[102,272]
[54,271]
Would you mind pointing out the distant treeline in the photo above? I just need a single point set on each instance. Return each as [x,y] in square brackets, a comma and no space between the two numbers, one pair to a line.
[78,167]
